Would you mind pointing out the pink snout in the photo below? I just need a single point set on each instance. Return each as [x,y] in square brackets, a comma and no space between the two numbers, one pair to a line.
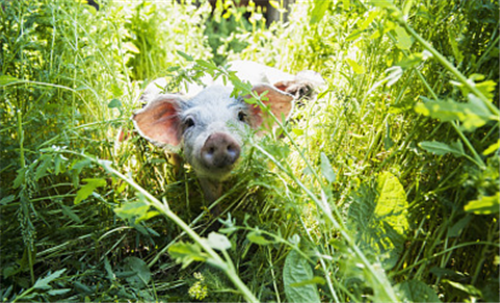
[220,151]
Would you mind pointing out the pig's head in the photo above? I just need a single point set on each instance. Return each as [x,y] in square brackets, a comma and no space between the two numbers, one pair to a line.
[209,127]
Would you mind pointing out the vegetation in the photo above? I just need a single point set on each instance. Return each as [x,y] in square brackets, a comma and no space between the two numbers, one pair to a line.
[385,188]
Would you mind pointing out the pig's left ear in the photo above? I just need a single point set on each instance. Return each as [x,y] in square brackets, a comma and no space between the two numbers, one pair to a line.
[279,103]
[159,121]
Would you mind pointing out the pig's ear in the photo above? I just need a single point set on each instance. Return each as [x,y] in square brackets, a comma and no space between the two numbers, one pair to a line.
[303,86]
[159,121]
[279,102]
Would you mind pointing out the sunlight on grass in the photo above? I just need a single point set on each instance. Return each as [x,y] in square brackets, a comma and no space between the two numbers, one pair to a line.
[382,188]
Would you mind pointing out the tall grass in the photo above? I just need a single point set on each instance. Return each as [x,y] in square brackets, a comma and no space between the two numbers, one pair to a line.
[385,188]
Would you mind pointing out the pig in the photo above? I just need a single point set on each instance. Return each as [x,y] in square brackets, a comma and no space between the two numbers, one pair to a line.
[210,125]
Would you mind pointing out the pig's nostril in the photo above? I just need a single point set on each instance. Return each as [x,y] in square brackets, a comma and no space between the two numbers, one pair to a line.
[211,150]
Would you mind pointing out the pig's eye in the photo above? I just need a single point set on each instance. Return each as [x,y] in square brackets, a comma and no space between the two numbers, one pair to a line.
[189,122]
[242,116]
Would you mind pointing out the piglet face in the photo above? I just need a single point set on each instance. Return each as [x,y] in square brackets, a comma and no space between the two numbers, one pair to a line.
[209,127]
[214,126]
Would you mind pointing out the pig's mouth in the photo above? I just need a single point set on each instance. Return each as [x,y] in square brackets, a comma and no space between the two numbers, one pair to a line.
[214,172]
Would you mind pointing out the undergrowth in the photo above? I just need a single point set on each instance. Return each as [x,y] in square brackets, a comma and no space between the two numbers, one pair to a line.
[384,188]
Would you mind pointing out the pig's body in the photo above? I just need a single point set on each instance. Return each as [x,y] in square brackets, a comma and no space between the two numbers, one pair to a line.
[209,124]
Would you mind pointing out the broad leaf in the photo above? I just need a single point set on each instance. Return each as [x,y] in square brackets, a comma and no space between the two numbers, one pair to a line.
[358,69]
[472,114]
[257,238]
[380,223]
[404,40]
[485,205]
[416,291]
[88,189]
[391,204]
[5,79]
[441,149]
[298,272]
[115,103]
[455,230]
[320,7]
[135,211]
[326,169]
[142,274]
[186,253]
[44,282]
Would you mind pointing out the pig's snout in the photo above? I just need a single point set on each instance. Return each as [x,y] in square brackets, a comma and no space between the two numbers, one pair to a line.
[220,151]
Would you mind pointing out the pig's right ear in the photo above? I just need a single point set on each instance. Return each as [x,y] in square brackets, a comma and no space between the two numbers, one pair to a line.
[159,121]
[280,104]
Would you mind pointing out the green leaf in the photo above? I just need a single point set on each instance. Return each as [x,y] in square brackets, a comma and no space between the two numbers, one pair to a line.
[5,79]
[492,148]
[185,56]
[6,200]
[411,61]
[70,213]
[58,292]
[59,164]
[88,189]
[452,38]
[468,289]
[315,280]
[206,64]
[296,271]
[487,88]
[131,47]
[358,69]
[326,169]
[440,149]
[135,211]
[107,266]
[406,8]
[142,274]
[455,230]
[115,103]
[383,3]
[42,168]
[186,253]
[392,206]
[485,205]
[380,223]
[44,282]
[257,238]
[368,18]
[218,241]
[388,142]
[472,114]
[318,12]
[416,291]
[404,40]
